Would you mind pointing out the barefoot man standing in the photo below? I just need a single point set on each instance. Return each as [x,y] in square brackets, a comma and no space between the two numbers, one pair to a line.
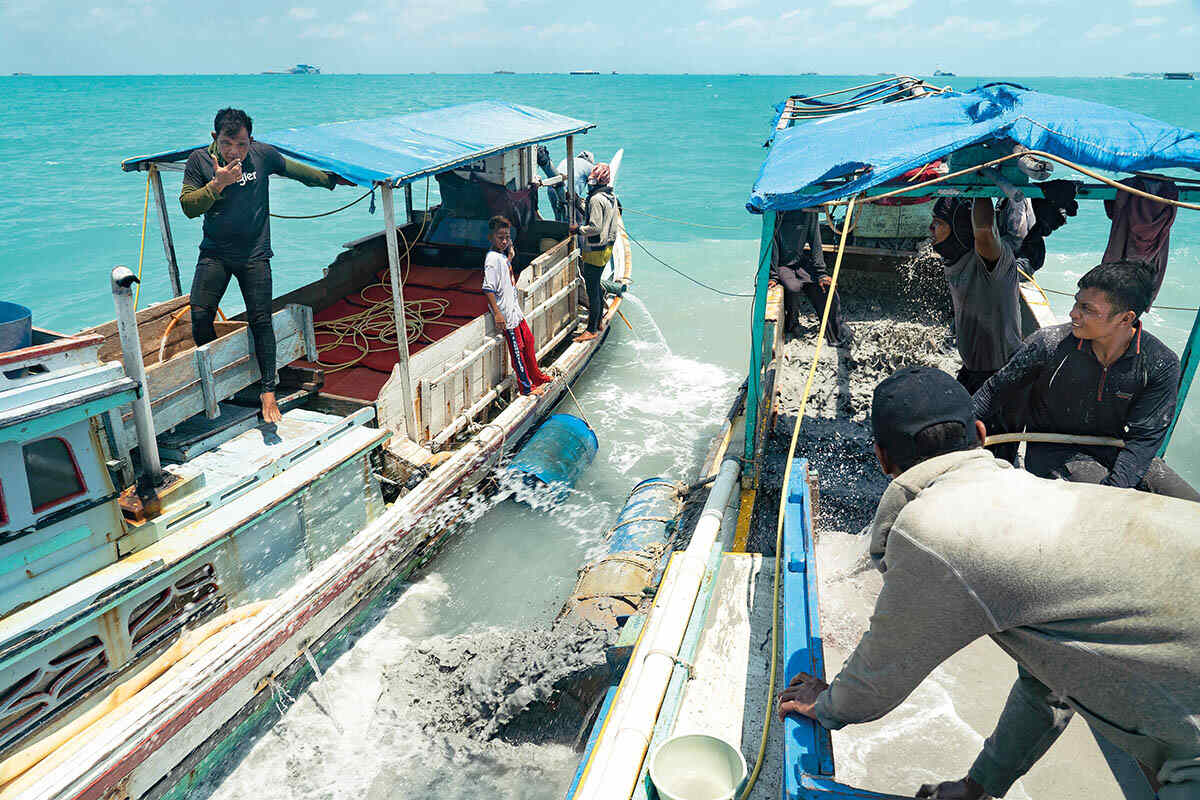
[227,182]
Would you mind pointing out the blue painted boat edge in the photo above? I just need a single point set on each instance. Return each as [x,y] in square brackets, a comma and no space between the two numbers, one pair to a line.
[808,770]
[609,696]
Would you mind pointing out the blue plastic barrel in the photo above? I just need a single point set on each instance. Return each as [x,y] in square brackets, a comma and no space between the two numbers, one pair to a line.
[16,327]
[557,453]
[647,516]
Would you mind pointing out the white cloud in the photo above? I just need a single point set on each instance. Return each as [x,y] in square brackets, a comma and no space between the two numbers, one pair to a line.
[994,29]
[887,8]
[1151,3]
[358,18]
[720,6]
[302,13]
[1187,30]
[1149,22]
[802,13]
[1103,30]
[879,9]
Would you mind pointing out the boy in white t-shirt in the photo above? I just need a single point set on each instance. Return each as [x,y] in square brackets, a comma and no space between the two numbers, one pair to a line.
[500,289]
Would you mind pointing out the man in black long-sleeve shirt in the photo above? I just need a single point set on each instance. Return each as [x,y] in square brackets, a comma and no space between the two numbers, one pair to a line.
[228,182]
[1099,375]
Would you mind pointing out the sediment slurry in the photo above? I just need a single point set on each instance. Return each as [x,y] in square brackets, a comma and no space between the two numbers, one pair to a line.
[897,321]
[479,685]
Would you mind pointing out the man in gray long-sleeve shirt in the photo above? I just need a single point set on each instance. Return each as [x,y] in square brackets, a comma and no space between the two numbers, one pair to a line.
[1093,590]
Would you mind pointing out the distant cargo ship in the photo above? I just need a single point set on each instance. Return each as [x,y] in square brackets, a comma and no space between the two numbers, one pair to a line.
[585,72]
[504,72]
[940,73]
[299,69]
[1179,76]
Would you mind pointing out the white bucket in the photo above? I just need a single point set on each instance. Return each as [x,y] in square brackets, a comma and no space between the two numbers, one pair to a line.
[697,767]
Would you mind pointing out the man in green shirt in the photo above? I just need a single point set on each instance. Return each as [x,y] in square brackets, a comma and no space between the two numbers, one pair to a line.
[227,182]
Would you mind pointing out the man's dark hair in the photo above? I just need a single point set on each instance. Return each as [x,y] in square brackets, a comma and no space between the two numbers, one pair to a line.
[232,120]
[936,440]
[1129,284]
[497,222]
[921,412]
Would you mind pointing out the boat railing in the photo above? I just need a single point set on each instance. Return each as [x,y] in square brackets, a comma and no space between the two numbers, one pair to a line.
[457,378]
[184,380]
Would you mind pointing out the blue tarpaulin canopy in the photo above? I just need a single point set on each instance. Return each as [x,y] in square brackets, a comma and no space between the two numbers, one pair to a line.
[404,148]
[889,140]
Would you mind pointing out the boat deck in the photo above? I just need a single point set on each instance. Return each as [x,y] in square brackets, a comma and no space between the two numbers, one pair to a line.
[253,461]
[358,358]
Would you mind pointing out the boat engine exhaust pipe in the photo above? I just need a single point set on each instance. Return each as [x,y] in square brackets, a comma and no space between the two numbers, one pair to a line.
[131,353]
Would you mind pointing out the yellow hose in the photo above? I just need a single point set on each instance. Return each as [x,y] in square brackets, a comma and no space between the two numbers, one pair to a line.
[783,494]
[137,290]
[1036,285]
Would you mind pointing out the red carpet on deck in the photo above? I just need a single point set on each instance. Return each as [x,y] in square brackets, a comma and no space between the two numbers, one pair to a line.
[462,287]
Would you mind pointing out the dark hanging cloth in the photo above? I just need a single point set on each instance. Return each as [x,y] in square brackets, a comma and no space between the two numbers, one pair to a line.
[1141,228]
[1050,213]
[800,272]
[478,199]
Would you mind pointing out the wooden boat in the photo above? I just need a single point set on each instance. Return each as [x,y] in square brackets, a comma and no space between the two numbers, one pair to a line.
[695,656]
[152,611]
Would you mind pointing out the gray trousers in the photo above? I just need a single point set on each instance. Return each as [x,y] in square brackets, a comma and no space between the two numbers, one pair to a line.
[1032,720]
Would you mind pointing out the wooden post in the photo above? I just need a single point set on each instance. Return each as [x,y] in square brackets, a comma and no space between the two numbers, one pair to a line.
[408,206]
[164,227]
[570,180]
[393,251]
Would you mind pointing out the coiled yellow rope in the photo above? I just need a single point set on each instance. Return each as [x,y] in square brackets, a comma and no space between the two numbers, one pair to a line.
[376,322]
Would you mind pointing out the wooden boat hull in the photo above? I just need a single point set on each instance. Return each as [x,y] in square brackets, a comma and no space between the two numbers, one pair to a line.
[171,735]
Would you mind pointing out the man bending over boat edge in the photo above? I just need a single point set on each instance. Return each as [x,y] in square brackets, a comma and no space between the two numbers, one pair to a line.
[228,182]
[971,547]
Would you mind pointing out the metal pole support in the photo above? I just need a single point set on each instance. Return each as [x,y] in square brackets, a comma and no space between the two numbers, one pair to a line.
[131,353]
[393,252]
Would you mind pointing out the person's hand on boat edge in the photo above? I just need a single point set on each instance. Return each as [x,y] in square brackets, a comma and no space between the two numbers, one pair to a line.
[825,281]
[965,789]
[801,695]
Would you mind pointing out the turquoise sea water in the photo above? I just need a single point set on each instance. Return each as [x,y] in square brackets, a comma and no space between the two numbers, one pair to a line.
[693,145]
[692,149]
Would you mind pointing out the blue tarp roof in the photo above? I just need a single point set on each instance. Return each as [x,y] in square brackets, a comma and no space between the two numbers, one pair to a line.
[410,146]
[895,138]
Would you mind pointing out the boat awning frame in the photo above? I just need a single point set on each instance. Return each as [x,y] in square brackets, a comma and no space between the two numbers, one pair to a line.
[832,158]
[399,150]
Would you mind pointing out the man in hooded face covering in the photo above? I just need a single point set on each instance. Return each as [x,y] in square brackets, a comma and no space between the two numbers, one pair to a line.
[982,273]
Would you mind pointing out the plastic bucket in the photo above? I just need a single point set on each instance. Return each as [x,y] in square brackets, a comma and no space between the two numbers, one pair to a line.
[16,327]
[697,767]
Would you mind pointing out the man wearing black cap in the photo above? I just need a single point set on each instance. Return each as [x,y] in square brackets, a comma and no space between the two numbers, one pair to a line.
[981,271]
[970,547]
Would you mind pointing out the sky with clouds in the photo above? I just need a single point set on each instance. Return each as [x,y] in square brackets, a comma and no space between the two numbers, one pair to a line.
[1019,37]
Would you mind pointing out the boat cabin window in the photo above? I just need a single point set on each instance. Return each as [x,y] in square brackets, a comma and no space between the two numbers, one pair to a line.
[53,474]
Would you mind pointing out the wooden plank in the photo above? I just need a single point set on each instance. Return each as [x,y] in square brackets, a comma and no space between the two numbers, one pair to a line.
[84,339]
[208,388]
[423,433]
[304,321]
[152,321]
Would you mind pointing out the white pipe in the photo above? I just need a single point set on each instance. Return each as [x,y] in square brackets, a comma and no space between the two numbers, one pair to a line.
[617,758]
[131,354]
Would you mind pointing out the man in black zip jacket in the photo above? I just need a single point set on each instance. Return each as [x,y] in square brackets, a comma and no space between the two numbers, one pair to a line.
[1099,375]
